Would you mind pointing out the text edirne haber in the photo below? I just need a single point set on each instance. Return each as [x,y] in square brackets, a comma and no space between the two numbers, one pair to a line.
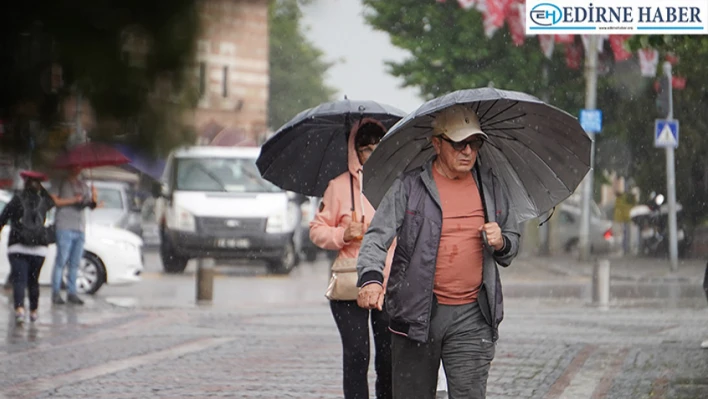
[666,14]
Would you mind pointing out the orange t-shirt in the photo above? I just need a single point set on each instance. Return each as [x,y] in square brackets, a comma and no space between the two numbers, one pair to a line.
[458,271]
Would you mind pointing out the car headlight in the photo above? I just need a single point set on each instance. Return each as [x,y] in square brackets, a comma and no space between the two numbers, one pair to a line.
[280,223]
[123,245]
[183,220]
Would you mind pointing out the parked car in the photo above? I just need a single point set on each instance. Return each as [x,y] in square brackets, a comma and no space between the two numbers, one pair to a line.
[602,237]
[309,210]
[120,207]
[111,256]
[212,202]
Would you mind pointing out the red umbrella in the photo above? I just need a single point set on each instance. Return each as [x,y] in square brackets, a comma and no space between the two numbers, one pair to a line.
[91,155]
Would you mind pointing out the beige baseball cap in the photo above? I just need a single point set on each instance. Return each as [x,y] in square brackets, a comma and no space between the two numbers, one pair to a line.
[457,123]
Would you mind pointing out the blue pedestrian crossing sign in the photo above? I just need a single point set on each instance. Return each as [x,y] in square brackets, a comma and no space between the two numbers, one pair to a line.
[666,133]
[591,120]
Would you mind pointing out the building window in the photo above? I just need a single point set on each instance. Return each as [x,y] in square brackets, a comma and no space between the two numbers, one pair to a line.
[202,79]
[225,83]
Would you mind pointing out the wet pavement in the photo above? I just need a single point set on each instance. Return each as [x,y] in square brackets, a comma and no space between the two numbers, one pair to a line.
[273,337]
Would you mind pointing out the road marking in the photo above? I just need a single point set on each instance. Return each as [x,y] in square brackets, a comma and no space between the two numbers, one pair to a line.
[565,379]
[35,387]
[614,369]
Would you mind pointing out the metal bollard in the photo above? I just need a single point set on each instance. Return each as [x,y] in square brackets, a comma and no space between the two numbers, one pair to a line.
[205,279]
[601,283]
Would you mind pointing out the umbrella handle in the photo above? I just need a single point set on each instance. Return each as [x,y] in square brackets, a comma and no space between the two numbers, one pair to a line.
[354,217]
[486,241]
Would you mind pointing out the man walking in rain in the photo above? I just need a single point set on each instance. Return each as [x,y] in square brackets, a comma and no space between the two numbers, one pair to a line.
[444,295]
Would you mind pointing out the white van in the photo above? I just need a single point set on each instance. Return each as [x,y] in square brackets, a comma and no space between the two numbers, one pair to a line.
[213,203]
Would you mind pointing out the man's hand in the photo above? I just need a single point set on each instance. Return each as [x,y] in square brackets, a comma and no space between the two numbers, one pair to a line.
[79,199]
[494,235]
[371,296]
[355,231]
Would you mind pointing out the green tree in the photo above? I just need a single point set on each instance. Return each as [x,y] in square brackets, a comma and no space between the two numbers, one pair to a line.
[690,106]
[297,68]
[449,51]
[137,95]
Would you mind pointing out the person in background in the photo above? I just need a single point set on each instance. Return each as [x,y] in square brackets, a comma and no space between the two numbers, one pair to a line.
[72,197]
[27,246]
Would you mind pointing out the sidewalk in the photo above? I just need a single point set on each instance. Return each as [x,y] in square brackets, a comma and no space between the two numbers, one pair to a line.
[547,350]
[626,269]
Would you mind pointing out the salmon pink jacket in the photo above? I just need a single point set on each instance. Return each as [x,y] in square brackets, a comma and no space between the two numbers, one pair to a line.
[335,212]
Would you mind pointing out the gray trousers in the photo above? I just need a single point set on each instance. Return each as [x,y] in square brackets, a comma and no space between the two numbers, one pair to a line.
[462,339]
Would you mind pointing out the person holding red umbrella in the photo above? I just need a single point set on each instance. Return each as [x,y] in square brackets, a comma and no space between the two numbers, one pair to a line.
[72,196]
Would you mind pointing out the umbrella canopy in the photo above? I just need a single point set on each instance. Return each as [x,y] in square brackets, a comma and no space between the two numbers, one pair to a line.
[311,149]
[539,152]
[91,155]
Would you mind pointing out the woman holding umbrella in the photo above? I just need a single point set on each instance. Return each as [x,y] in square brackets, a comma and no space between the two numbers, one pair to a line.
[320,153]
[27,211]
[339,225]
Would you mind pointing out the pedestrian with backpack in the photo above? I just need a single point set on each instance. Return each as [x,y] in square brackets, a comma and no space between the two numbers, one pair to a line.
[27,247]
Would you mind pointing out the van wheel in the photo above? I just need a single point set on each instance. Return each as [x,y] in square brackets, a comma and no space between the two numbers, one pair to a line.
[171,263]
[311,254]
[287,261]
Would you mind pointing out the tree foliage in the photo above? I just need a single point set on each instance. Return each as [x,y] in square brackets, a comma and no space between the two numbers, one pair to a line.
[138,95]
[297,68]
[449,51]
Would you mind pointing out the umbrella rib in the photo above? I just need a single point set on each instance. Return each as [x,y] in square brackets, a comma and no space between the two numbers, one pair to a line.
[511,118]
[482,117]
[515,103]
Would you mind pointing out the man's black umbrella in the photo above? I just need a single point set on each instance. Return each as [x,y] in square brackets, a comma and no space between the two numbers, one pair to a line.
[311,149]
[539,152]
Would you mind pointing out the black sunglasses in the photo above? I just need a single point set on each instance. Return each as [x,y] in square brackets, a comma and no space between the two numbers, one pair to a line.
[474,144]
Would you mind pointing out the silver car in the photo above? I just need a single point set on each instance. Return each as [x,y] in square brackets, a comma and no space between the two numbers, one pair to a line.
[602,237]
[119,207]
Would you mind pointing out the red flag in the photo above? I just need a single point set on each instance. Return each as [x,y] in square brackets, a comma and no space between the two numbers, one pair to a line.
[495,13]
[672,58]
[517,23]
[565,39]
[573,55]
[618,49]
[678,82]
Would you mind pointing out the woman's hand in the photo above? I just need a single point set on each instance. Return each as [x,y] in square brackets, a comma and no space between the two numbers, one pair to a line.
[355,231]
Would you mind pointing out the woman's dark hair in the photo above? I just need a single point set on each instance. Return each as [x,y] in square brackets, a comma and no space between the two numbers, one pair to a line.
[368,133]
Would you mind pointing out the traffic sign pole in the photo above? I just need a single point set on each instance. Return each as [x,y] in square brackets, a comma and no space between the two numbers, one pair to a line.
[671,180]
[590,103]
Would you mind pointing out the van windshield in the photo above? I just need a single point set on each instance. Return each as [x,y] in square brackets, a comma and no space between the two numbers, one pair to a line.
[238,175]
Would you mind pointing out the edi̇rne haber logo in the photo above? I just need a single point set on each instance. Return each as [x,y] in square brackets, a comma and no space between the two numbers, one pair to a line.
[606,17]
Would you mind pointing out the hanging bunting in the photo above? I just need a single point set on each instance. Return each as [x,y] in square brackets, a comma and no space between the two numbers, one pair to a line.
[547,45]
[466,4]
[573,55]
[565,39]
[648,61]
[617,42]
[517,23]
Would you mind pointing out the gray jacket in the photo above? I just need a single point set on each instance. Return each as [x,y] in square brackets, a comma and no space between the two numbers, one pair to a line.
[411,211]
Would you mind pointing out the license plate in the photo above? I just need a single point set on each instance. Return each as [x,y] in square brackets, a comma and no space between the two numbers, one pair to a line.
[241,243]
